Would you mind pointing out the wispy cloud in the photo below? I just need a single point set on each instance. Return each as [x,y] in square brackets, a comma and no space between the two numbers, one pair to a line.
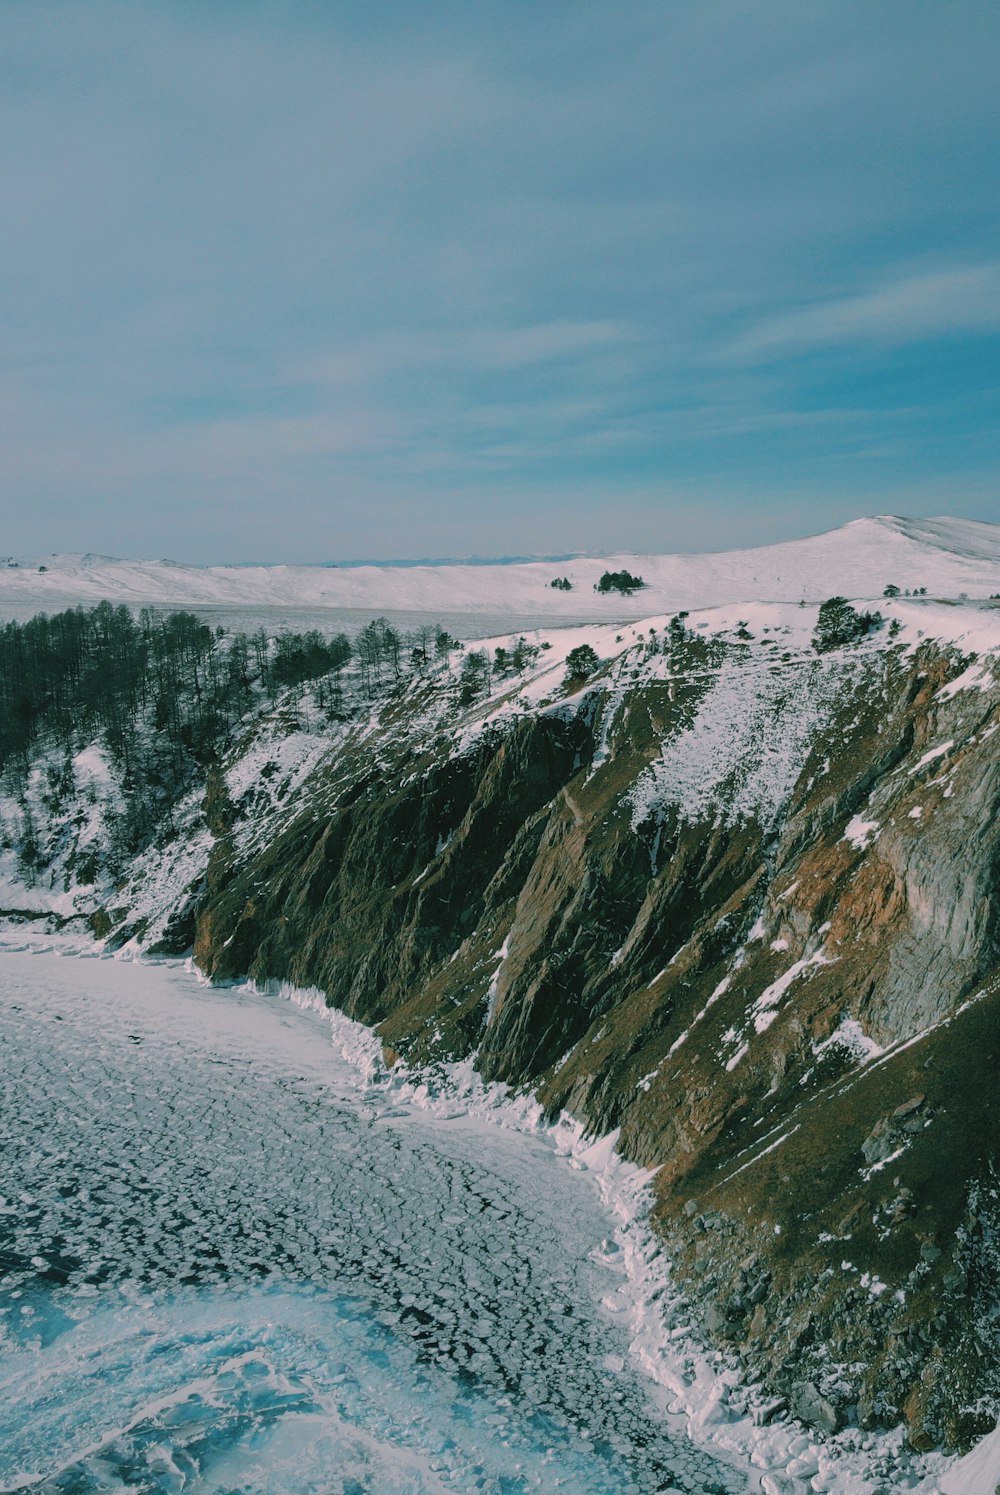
[334,262]
[942,303]
[470,350]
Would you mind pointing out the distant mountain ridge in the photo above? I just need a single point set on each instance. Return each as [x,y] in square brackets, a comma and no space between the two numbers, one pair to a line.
[947,556]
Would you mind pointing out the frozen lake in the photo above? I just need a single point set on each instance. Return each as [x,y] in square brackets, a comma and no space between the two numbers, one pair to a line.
[227,1266]
[276,618]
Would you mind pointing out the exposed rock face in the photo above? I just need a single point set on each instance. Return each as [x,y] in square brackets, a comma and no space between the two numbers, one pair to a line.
[742,903]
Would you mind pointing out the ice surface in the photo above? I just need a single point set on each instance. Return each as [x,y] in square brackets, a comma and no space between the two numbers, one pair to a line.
[228,1266]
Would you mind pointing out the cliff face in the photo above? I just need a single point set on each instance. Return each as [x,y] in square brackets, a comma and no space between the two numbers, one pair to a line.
[734,899]
[741,903]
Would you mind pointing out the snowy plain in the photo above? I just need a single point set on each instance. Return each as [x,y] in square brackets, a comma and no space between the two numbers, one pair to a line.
[947,556]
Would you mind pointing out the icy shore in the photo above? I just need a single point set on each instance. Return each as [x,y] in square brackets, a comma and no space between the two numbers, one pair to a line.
[703,1391]
[230,1266]
[699,1390]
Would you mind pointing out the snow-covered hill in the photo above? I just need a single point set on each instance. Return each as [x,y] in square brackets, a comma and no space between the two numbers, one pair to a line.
[946,556]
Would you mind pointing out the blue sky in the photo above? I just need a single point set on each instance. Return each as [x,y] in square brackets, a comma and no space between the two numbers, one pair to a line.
[292,281]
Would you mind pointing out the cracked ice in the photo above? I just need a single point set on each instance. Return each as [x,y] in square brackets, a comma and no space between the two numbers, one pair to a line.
[226,1268]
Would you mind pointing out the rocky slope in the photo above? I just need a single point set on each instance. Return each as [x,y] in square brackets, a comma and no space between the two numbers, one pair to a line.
[731,898]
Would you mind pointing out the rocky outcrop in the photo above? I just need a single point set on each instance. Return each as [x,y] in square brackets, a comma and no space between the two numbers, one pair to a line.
[741,904]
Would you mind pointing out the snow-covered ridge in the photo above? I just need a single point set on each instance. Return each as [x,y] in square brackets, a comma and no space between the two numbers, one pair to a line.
[946,556]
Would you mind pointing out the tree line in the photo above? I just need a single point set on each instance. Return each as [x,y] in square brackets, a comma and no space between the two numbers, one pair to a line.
[103,671]
[164,694]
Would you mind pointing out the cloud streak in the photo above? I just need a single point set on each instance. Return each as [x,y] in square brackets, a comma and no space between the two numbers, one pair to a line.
[484,350]
[337,265]
[963,301]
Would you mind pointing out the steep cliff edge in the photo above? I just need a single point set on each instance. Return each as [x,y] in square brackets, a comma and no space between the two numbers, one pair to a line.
[733,899]
[740,902]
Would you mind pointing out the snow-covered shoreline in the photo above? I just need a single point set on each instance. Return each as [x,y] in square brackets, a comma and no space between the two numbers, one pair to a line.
[194,1174]
[700,1390]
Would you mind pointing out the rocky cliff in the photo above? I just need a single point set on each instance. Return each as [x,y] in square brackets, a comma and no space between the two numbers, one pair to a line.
[733,899]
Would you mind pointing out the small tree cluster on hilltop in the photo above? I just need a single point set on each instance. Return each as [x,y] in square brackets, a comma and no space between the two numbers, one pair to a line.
[677,629]
[516,659]
[838,623]
[581,663]
[379,651]
[561,584]
[619,581]
[298,657]
[475,676]
[477,671]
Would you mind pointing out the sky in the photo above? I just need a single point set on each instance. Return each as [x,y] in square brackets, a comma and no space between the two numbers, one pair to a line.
[292,280]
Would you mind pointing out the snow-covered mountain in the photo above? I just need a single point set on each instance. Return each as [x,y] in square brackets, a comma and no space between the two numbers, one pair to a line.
[947,556]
